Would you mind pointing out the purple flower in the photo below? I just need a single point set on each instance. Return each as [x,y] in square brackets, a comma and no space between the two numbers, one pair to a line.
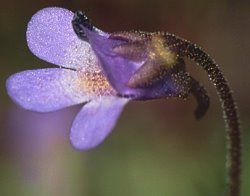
[106,70]
[103,70]
[79,79]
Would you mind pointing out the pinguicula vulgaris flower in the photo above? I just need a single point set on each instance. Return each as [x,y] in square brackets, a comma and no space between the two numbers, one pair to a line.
[107,70]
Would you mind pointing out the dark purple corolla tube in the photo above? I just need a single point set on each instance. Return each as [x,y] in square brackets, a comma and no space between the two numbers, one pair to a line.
[107,70]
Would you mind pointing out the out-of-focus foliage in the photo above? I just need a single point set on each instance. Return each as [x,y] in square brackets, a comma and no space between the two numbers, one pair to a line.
[158,148]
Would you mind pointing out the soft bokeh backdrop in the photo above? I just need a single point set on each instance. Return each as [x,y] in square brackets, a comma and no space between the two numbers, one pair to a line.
[157,148]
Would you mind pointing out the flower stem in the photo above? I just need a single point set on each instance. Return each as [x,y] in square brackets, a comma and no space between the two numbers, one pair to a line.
[187,49]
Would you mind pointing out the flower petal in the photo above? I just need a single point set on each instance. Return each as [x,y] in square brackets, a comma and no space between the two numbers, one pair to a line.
[50,36]
[95,121]
[47,90]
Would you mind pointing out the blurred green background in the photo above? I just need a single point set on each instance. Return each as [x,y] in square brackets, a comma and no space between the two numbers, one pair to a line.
[157,147]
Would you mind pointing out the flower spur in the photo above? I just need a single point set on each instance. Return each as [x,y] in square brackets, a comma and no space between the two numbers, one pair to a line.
[108,70]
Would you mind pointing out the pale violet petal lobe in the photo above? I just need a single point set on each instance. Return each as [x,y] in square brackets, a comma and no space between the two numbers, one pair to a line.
[95,121]
[46,90]
[50,36]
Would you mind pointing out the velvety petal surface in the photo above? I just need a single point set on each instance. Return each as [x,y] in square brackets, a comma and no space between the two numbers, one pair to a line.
[50,36]
[47,90]
[95,121]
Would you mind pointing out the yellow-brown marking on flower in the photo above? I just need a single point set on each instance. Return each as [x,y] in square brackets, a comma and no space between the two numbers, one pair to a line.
[158,50]
[95,83]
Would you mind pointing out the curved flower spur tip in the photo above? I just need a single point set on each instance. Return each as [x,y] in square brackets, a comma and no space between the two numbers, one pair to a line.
[203,100]
[95,121]
[50,36]
[46,90]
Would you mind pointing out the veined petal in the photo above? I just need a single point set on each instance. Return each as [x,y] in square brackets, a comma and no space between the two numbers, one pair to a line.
[50,36]
[95,121]
[51,89]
